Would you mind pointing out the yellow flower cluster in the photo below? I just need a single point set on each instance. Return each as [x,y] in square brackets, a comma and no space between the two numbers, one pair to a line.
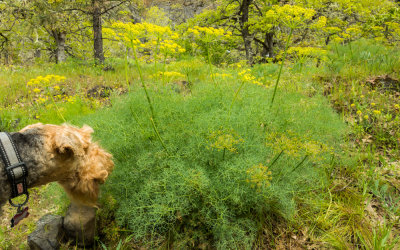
[222,140]
[259,177]
[223,76]
[338,39]
[373,110]
[352,32]
[128,33]
[292,16]
[295,146]
[170,47]
[332,30]
[246,76]
[48,88]
[348,34]
[133,32]
[170,74]
[320,24]
[238,65]
[42,99]
[71,99]
[145,36]
[46,80]
[200,31]
[207,35]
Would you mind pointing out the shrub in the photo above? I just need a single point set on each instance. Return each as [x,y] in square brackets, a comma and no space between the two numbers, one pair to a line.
[224,172]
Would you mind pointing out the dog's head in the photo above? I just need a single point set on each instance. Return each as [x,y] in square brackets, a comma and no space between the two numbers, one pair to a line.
[79,164]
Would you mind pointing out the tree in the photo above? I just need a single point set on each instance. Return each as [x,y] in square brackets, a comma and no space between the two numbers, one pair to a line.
[56,22]
[11,16]
[97,9]
[333,20]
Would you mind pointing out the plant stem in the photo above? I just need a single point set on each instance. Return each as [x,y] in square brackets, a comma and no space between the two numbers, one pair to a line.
[165,62]
[280,70]
[126,71]
[294,169]
[141,79]
[209,65]
[158,135]
[234,99]
[58,111]
[152,117]
[156,53]
[275,159]
[298,165]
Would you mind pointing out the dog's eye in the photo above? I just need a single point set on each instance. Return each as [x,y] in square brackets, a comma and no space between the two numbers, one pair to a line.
[99,181]
[65,152]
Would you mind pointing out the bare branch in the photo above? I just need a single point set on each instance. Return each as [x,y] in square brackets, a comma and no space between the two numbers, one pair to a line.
[112,7]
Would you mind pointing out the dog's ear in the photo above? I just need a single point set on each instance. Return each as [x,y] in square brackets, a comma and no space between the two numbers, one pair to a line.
[71,141]
[87,130]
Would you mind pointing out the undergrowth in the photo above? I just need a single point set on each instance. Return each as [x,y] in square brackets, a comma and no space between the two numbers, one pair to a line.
[226,172]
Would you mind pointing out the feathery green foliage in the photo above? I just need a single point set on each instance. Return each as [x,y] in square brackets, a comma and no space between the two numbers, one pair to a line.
[213,186]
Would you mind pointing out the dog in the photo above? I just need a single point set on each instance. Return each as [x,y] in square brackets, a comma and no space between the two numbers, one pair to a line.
[63,154]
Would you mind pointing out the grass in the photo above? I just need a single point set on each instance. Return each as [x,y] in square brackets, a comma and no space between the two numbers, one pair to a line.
[47,199]
[348,201]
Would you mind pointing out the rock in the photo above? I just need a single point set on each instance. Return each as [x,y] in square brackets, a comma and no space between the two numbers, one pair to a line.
[48,233]
[79,224]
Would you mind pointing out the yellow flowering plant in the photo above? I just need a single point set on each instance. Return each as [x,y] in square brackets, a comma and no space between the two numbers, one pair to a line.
[169,47]
[151,37]
[291,17]
[46,81]
[225,140]
[208,34]
[204,38]
[50,86]
[168,76]
[259,177]
[296,146]
[245,76]
[300,54]
[147,36]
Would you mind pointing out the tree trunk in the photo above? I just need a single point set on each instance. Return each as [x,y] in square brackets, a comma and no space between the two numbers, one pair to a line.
[38,53]
[59,36]
[244,18]
[6,55]
[6,50]
[268,50]
[97,32]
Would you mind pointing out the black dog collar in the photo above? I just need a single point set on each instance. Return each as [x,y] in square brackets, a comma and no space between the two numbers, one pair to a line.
[15,168]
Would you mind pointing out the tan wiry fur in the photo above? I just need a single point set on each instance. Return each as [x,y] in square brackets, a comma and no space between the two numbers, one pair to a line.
[69,157]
